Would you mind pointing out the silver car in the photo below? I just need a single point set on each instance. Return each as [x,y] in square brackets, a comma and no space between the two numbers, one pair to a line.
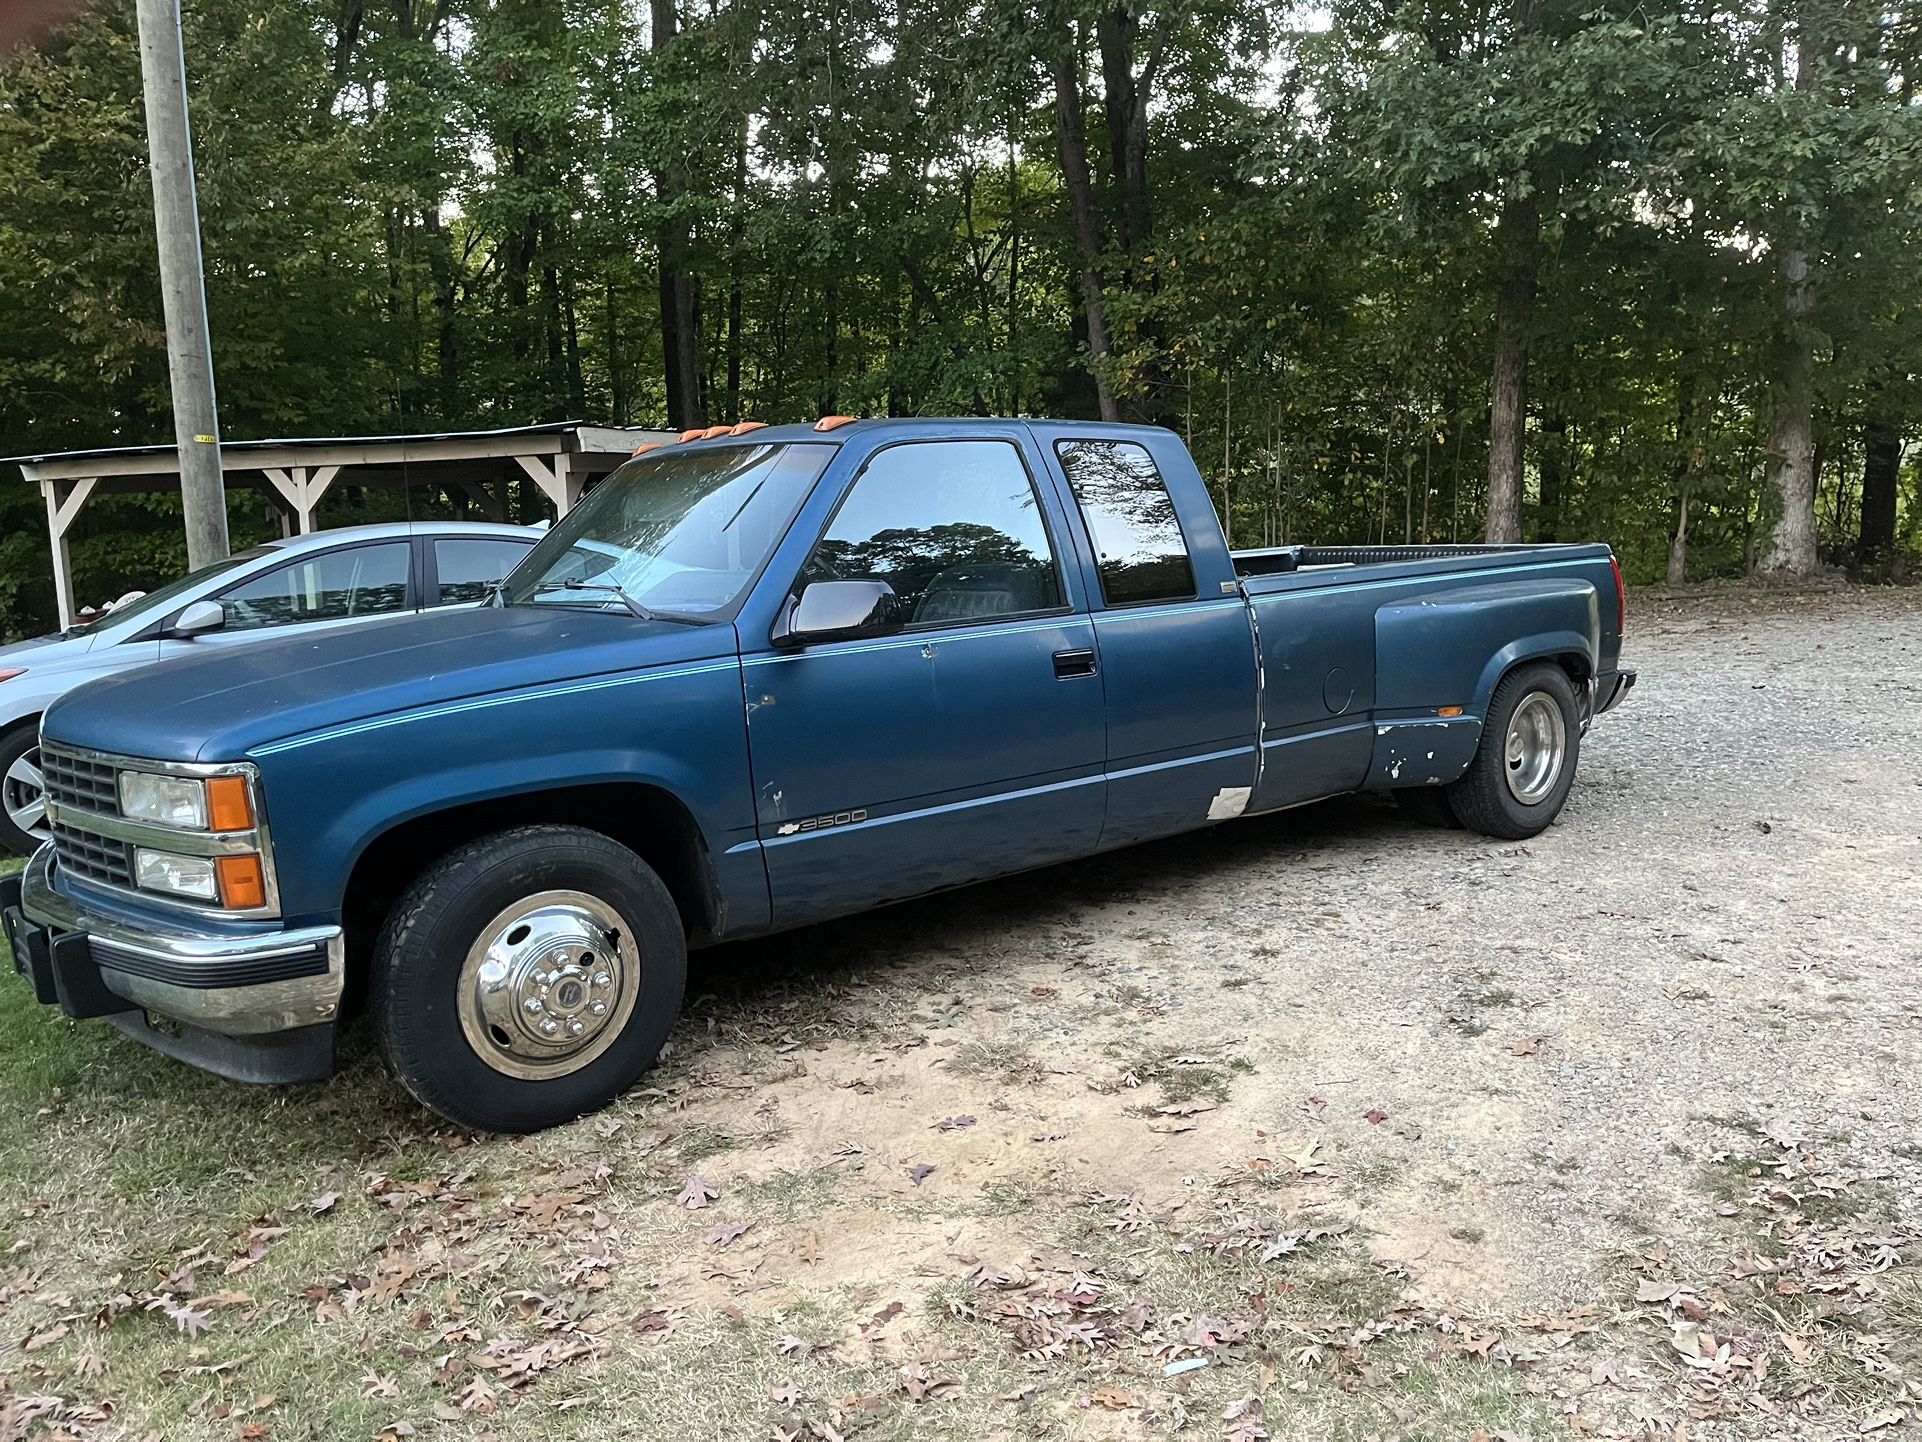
[284,588]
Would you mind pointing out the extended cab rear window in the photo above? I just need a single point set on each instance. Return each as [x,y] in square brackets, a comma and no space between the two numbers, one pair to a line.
[1140,553]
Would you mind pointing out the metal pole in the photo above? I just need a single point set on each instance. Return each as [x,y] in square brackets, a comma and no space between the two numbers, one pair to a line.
[183,292]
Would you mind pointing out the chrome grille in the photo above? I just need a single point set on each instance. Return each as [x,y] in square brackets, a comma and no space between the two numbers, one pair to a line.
[98,858]
[79,785]
[79,782]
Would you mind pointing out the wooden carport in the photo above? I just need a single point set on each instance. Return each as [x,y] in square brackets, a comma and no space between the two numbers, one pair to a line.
[476,468]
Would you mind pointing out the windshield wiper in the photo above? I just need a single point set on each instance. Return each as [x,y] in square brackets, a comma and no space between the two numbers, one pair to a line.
[611,587]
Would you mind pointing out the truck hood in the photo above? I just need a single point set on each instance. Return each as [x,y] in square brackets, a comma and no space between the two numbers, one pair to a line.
[221,705]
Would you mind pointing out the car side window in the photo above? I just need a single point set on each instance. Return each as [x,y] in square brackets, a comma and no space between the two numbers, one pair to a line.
[1140,553]
[358,581]
[468,565]
[954,527]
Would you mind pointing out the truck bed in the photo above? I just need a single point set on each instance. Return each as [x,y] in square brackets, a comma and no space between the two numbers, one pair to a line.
[1293,560]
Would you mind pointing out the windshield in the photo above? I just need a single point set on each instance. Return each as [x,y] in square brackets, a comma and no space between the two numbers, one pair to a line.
[173,590]
[681,532]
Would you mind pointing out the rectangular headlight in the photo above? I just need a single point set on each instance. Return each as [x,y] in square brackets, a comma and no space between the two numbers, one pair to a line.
[162,871]
[179,801]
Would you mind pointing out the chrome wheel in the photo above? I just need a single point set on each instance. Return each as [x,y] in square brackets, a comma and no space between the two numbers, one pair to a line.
[1536,745]
[23,795]
[548,985]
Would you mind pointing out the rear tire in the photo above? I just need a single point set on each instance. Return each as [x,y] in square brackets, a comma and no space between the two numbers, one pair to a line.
[528,978]
[1523,768]
[23,800]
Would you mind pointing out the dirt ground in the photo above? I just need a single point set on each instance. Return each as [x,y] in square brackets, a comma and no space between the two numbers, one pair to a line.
[1323,1124]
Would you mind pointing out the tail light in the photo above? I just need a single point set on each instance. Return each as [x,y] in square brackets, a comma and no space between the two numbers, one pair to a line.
[1621,596]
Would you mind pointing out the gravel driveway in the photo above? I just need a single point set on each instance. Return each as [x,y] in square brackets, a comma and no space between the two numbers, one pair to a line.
[1318,1125]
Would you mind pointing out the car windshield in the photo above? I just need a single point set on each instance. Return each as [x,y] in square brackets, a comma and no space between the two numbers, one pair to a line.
[679,532]
[174,590]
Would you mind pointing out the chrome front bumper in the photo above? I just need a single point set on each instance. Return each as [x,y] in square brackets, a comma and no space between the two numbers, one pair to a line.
[245,985]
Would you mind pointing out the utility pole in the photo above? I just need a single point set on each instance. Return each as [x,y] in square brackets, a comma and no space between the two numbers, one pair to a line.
[183,290]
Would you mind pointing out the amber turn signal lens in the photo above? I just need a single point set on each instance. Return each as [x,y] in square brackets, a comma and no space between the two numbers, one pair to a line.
[1448,710]
[833,423]
[243,886]
[229,807]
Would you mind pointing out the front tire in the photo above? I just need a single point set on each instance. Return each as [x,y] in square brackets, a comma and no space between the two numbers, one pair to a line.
[23,797]
[528,978]
[1523,768]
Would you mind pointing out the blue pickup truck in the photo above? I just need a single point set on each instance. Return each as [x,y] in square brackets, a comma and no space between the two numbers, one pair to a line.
[760,678]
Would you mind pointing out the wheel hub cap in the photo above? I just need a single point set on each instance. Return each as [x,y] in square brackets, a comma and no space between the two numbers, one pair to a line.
[23,794]
[548,984]
[1536,742]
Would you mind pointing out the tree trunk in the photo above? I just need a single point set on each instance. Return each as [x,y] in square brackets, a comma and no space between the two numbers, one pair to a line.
[1125,100]
[1881,471]
[735,262]
[680,337]
[1517,256]
[1074,171]
[1791,448]
[1548,516]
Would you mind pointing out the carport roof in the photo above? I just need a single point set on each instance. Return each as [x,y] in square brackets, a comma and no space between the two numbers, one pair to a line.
[579,437]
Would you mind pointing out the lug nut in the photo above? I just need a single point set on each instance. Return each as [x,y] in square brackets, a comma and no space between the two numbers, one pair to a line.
[532,1006]
[601,978]
[599,1008]
[550,1027]
[576,1027]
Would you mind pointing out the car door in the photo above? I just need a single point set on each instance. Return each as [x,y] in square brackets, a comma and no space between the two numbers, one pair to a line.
[311,593]
[1177,651]
[967,744]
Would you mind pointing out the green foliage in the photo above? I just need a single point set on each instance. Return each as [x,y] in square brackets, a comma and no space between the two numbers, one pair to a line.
[438,213]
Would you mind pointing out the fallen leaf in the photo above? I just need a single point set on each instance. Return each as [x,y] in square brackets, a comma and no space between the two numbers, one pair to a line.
[321,1205]
[920,1172]
[696,1193]
[726,1234]
[1376,1117]
[47,1338]
[953,1124]
[1526,1046]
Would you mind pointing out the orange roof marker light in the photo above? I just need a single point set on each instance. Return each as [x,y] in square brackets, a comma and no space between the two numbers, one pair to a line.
[712,431]
[833,423]
[745,426]
[643,450]
[693,435]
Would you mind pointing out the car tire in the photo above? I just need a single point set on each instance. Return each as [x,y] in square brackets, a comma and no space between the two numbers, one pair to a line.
[528,978]
[19,772]
[1525,764]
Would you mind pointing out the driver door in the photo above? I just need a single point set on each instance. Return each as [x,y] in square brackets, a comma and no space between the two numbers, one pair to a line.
[968,744]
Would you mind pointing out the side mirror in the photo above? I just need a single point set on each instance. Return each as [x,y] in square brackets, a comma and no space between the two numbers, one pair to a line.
[197,619]
[839,611]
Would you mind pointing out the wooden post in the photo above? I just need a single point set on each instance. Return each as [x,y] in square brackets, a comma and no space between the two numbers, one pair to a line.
[60,517]
[560,484]
[183,292]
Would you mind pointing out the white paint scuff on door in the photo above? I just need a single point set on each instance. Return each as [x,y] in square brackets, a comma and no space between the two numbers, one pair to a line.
[1229,803]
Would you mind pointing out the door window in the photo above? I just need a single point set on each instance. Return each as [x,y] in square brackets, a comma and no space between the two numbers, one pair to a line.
[954,527]
[1140,553]
[468,565]
[358,581]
